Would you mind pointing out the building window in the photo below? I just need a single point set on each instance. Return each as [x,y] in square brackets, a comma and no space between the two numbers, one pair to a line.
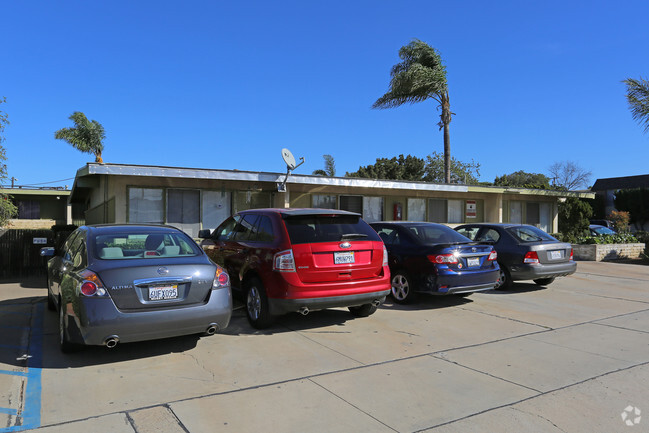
[321,201]
[516,212]
[145,205]
[352,203]
[216,208]
[29,210]
[416,209]
[372,209]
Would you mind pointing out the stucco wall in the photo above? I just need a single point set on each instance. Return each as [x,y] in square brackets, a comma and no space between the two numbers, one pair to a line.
[604,252]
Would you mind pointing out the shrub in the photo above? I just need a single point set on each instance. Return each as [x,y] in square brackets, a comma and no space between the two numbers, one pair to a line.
[620,220]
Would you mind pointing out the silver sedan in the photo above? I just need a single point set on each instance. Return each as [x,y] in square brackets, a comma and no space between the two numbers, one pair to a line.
[127,283]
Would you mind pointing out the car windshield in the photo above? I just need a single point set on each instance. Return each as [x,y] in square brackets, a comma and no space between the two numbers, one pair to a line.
[436,234]
[530,234]
[115,246]
[601,230]
[304,229]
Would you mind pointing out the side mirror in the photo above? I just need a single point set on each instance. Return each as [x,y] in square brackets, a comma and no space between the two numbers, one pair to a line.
[47,251]
[205,234]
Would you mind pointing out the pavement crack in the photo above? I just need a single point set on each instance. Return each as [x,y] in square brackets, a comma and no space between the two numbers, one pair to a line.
[539,416]
[548,328]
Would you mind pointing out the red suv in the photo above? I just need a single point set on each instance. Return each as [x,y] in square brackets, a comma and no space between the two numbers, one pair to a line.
[286,260]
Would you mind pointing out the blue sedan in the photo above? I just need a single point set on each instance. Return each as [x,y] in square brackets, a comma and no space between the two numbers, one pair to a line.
[432,258]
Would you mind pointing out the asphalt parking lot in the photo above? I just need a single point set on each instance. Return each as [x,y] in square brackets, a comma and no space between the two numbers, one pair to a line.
[571,357]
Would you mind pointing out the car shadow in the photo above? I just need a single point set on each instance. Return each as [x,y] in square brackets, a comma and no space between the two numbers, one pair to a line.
[39,282]
[518,288]
[427,302]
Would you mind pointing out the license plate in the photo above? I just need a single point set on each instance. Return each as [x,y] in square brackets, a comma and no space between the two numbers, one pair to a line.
[163,292]
[473,261]
[556,255]
[343,257]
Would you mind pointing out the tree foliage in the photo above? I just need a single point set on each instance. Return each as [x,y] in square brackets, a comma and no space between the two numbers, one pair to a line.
[461,172]
[573,218]
[636,203]
[86,135]
[522,179]
[396,168]
[7,209]
[568,175]
[413,168]
[330,167]
[637,95]
[419,76]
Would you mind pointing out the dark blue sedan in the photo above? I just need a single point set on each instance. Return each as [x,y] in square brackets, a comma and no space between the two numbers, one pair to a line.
[432,258]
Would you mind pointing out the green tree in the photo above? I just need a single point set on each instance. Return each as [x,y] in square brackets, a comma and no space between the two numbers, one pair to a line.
[7,209]
[523,179]
[636,203]
[637,95]
[86,135]
[421,75]
[401,168]
[573,218]
[330,167]
[461,172]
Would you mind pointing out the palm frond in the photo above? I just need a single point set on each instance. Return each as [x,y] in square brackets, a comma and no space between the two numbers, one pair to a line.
[637,97]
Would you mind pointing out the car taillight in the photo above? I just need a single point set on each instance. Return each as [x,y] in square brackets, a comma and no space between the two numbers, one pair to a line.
[385,256]
[531,257]
[571,253]
[443,258]
[91,284]
[492,256]
[284,261]
[221,279]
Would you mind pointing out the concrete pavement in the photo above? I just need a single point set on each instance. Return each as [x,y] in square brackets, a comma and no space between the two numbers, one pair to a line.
[569,357]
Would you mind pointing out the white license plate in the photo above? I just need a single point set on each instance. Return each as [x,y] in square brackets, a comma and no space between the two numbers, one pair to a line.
[473,261]
[556,255]
[163,292]
[343,257]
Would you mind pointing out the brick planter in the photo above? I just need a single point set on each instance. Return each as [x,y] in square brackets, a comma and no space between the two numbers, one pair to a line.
[603,252]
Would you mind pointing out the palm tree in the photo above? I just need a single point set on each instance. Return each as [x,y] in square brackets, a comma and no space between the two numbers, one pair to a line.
[420,76]
[637,95]
[330,167]
[86,135]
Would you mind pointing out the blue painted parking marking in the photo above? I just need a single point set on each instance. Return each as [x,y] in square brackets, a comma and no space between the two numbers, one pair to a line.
[31,414]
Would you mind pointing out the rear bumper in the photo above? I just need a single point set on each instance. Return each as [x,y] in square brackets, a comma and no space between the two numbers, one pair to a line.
[533,272]
[452,283]
[283,306]
[96,319]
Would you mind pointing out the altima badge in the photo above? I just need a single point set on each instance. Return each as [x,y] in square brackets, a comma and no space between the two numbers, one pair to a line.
[163,270]
[345,245]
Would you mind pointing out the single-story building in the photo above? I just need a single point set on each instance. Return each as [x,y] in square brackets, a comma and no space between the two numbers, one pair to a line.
[607,187]
[40,208]
[197,198]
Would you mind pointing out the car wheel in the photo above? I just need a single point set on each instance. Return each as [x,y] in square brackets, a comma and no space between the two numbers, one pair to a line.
[505,280]
[544,281]
[51,305]
[401,291]
[66,345]
[257,308]
[363,310]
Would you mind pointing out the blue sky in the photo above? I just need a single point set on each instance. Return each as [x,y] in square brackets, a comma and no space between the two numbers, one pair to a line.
[217,84]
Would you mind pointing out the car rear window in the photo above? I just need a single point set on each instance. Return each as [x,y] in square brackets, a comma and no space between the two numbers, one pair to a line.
[328,228]
[530,234]
[436,234]
[116,246]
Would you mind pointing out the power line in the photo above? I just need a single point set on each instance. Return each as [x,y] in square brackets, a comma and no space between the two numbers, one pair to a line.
[46,183]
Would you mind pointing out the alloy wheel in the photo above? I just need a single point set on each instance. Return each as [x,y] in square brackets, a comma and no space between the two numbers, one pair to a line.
[400,287]
[254,303]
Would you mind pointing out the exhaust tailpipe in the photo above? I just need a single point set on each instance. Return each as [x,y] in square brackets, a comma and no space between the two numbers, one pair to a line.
[376,302]
[303,311]
[211,330]
[111,341]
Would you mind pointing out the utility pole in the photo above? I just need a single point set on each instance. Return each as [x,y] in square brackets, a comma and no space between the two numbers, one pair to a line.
[13,179]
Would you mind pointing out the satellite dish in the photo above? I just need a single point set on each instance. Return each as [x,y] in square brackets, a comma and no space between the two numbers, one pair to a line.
[288,158]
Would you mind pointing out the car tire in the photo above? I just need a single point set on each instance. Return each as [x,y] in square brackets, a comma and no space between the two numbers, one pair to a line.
[363,310]
[64,342]
[257,309]
[401,289]
[544,281]
[51,305]
[505,280]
